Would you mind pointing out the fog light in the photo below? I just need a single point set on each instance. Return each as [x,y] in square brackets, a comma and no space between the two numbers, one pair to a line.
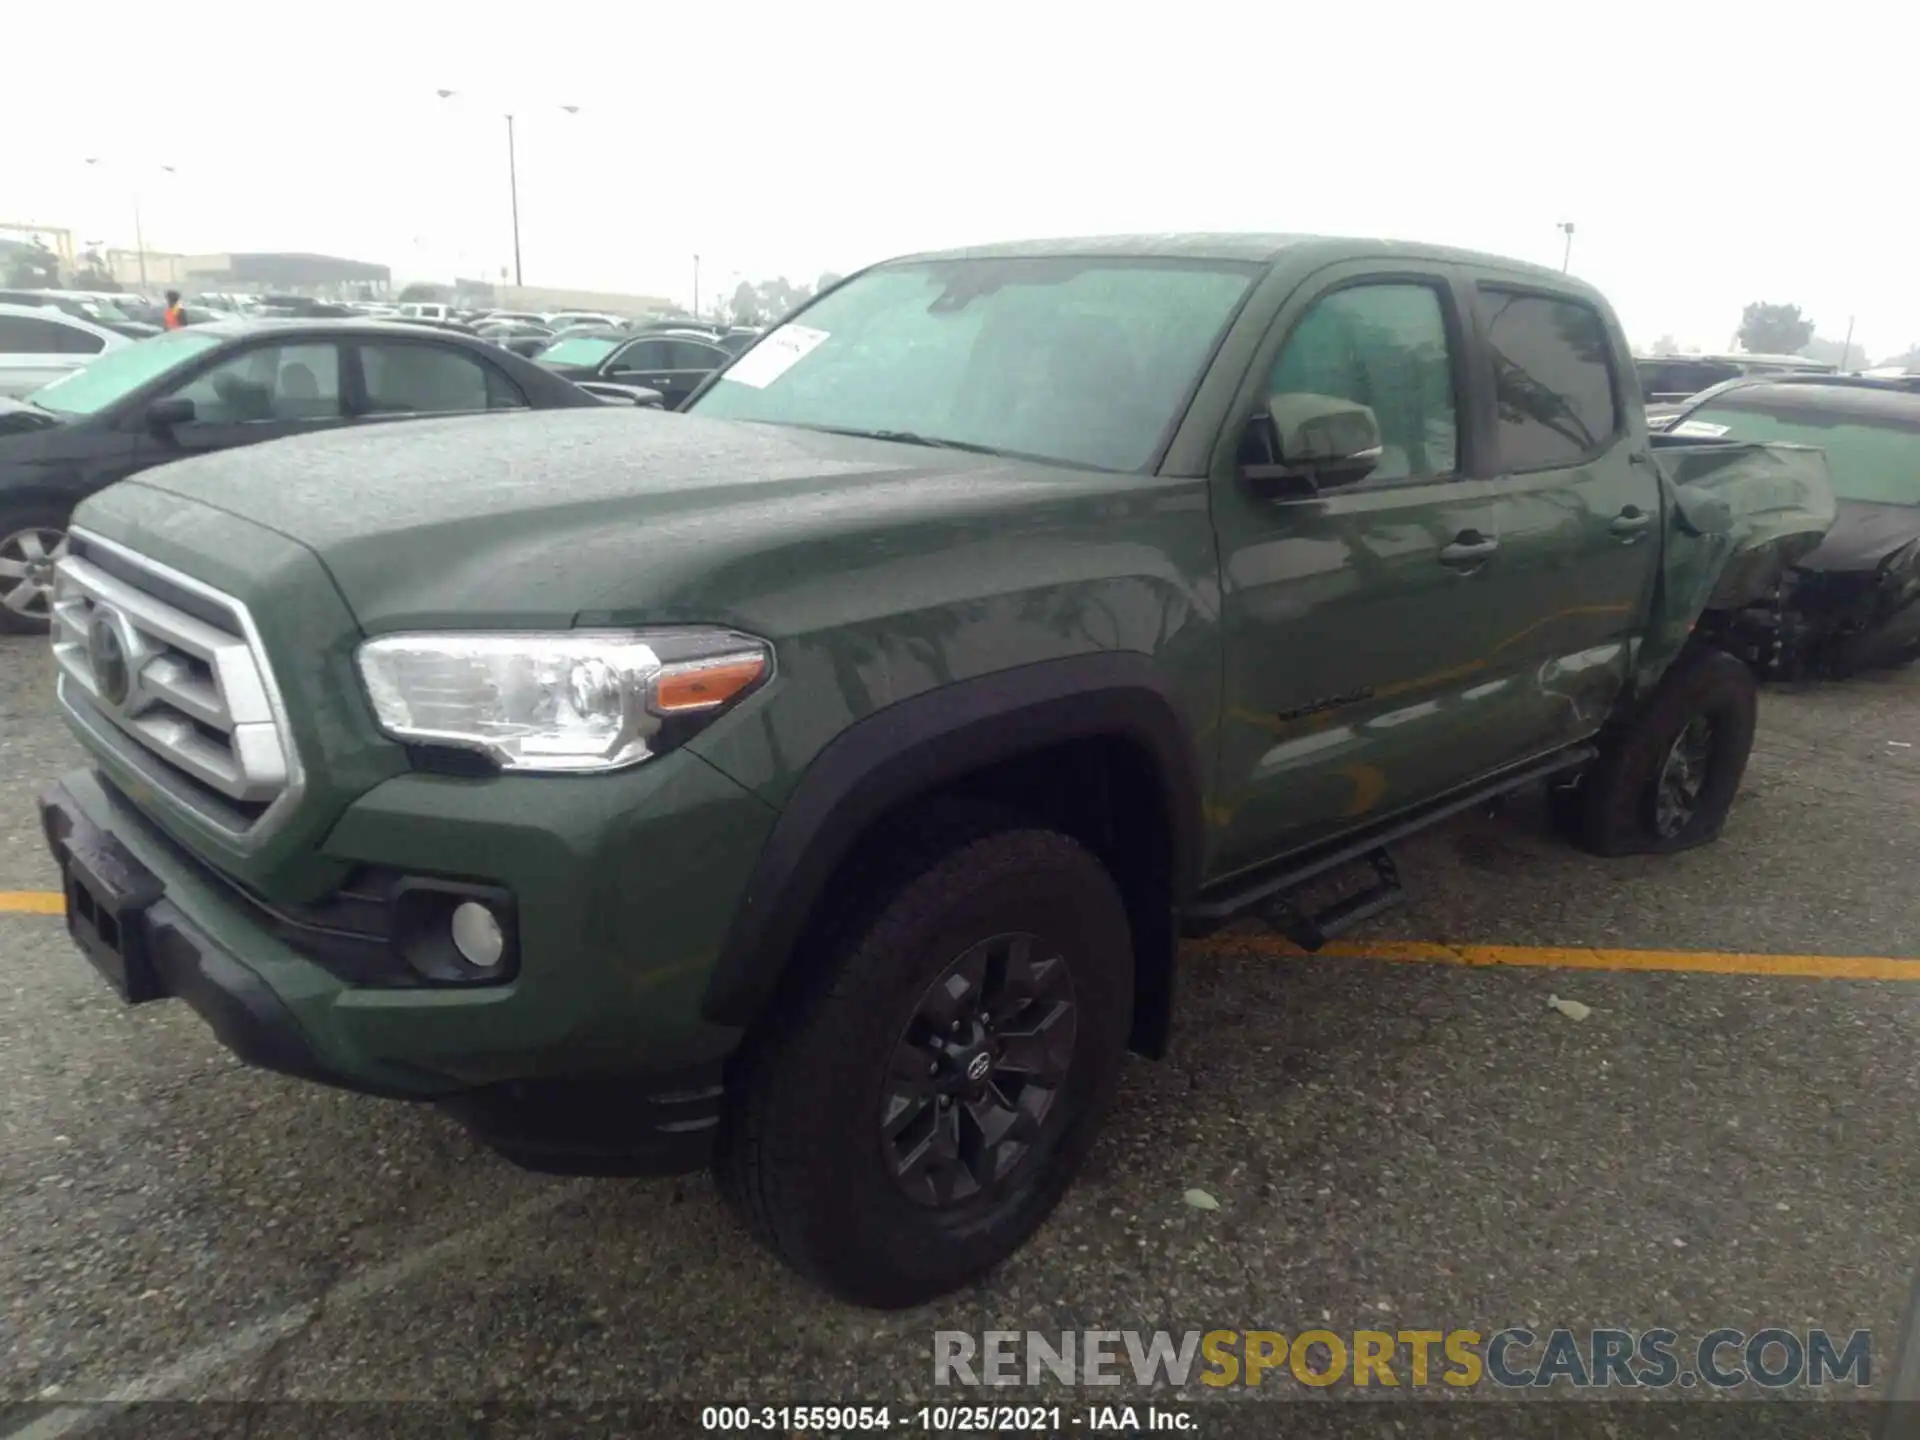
[477,935]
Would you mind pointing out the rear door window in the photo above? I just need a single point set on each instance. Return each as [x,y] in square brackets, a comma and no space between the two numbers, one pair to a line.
[692,355]
[407,378]
[21,335]
[1553,379]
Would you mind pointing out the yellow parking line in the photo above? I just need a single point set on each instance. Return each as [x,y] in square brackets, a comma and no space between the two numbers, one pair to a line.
[1714,962]
[1417,952]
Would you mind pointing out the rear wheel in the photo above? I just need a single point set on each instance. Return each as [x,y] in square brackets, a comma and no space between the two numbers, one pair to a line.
[1666,780]
[915,1113]
[32,539]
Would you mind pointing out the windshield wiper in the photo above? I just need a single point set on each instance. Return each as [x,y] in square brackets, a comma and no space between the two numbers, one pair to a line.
[909,437]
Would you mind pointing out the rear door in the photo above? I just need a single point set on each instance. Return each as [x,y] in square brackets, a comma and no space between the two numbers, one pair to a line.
[390,379]
[1358,621]
[1579,505]
[34,351]
[262,392]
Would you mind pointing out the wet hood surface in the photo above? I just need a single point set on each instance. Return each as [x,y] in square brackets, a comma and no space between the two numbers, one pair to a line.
[542,517]
[1864,533]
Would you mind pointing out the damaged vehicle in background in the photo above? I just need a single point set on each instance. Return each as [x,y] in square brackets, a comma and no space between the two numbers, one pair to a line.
[1854,602]
[1668,382]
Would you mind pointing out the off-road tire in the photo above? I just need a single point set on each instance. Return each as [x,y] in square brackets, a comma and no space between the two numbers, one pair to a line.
[801,1155]
[14,520]
[1611,810]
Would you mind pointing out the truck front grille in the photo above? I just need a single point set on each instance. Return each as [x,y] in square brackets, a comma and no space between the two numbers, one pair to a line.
[169,675]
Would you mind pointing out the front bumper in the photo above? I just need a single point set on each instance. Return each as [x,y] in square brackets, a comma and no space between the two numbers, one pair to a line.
[123,919]
[594,1049]
[152,937]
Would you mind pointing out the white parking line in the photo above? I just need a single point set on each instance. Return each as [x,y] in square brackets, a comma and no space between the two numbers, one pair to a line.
[202,1364]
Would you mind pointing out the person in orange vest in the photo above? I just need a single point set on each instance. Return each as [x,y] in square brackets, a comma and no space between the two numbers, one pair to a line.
[176,316]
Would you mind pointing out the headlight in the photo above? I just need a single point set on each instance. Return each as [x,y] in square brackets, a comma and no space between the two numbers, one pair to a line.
[575,701]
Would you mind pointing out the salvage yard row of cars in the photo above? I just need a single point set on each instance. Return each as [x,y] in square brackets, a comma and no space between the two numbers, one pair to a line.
[815,781]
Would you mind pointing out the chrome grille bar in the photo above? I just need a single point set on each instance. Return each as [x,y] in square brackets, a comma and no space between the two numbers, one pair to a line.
[196,696]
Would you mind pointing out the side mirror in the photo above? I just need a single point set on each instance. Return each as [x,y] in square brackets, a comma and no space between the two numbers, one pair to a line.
[163,415]
[1315,441]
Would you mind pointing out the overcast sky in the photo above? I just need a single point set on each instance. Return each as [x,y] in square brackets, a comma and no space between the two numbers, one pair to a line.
[794,138]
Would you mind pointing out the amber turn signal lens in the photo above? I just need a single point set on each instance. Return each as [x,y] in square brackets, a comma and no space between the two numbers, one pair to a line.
[703,686]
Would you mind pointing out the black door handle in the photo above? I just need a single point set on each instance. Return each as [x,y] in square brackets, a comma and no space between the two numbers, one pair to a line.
[1630,524]
[1469,549]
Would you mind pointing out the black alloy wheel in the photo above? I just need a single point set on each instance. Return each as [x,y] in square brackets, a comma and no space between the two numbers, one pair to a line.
[1683,777]
[978,1069]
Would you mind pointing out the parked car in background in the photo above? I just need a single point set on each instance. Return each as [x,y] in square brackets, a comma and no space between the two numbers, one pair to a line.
[40,345]
[520,336]
[138,308]
[672,364]
[214,387]
[738,339]
[1855,601]
[514,317]
[817,782]
[564,319]
[1668,381]
[425,310]
[91,308]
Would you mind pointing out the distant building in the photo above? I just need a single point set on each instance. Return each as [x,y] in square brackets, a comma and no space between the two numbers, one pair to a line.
[545,299]
[255,272]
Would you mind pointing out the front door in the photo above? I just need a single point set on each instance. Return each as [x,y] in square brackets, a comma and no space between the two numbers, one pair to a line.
[676,368]
[1580,508]
[265,392]
[1358,621]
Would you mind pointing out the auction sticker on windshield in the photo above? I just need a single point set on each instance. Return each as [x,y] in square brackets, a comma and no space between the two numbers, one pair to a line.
[774,356]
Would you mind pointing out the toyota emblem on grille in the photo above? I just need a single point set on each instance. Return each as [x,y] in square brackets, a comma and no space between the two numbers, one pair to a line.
[112,675]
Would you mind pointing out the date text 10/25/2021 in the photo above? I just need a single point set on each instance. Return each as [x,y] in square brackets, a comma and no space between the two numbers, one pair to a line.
[944,1419]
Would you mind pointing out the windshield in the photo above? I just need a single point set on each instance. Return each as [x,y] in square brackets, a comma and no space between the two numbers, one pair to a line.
[580,350]
[89,390]
[1869,460]
[1083,361]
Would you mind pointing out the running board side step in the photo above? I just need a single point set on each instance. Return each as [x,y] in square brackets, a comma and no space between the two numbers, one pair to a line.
[1268,888]
[1311,931]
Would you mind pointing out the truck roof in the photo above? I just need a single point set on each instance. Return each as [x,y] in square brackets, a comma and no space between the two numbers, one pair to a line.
[1259,248]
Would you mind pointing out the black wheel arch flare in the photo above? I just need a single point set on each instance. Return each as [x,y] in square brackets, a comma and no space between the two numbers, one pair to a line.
[931,741]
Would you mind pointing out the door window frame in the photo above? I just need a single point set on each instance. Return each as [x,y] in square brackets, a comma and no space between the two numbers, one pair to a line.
[219,359]
[1478,285]
[1470,451]
[54,330]
[353,379]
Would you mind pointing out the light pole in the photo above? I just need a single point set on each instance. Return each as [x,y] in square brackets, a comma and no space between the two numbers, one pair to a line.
[1566,255]
[139,238]
[513,178]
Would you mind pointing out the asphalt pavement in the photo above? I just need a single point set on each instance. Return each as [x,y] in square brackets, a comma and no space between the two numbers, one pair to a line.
[1390,1145]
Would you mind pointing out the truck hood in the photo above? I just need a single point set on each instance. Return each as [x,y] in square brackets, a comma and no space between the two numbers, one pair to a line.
[597,516]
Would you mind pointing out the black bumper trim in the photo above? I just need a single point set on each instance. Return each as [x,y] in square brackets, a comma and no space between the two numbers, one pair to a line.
[186,964]
[658,1124]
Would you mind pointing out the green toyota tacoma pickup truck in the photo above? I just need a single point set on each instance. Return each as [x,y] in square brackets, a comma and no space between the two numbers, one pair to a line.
[817,782]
